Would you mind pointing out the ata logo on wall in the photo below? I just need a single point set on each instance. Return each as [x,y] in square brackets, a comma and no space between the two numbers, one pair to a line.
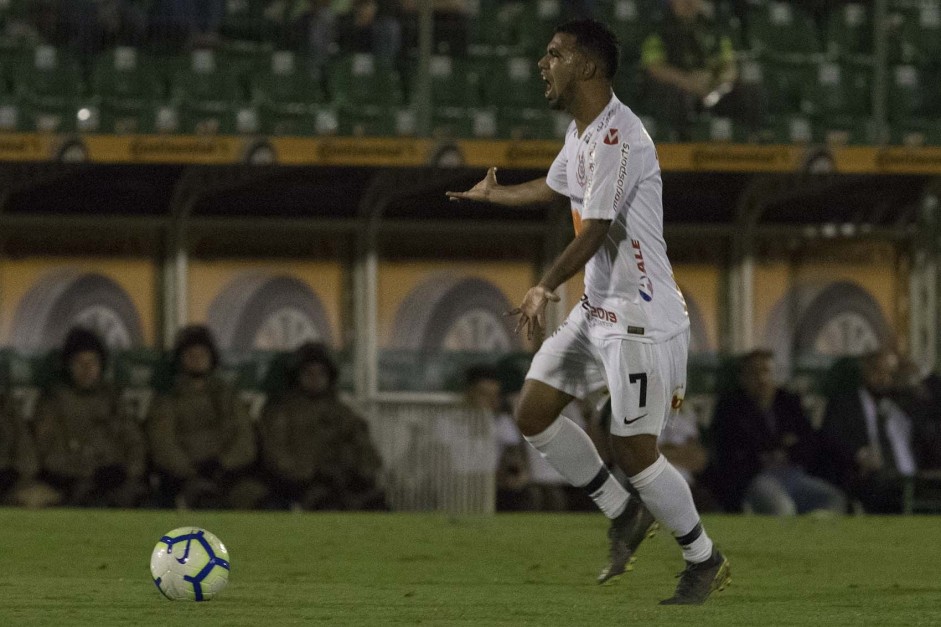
[66,298]
[455,313]
[265,311]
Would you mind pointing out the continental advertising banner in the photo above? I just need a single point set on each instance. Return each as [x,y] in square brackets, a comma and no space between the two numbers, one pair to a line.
[413,152]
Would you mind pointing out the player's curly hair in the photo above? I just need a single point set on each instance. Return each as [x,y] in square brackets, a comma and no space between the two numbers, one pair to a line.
[597,40]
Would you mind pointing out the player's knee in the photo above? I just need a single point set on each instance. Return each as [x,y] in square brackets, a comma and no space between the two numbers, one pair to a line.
[636,452]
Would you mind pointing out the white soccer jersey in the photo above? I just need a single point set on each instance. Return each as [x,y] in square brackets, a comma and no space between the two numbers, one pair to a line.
[611,173]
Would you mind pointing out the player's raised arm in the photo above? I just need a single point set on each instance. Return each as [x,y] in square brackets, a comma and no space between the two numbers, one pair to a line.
[535,192]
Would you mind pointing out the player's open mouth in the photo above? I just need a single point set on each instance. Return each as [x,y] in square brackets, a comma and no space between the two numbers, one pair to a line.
[548,86]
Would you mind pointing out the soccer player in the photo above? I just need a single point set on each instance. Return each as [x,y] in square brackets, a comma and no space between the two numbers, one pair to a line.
[630,333]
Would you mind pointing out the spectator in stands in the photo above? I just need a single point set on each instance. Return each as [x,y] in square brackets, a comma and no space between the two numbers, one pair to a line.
[692,69]
[764,445]
[89,449]
[918,396]
[867,438]
[311,29]
[315,449]
[200,436]
[450,26]
[177,24]
[371,26]
[91,25]
[484,391]
[930,455]
[19,464]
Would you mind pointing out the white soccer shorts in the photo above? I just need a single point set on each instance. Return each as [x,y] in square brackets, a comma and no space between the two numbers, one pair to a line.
[647,381]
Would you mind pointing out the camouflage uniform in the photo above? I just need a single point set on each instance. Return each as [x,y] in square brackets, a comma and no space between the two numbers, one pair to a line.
[203,444]
[318,453]
[88,448]
[18,464]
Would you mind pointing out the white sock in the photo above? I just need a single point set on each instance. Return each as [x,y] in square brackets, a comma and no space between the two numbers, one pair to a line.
[571,452]
[666,494]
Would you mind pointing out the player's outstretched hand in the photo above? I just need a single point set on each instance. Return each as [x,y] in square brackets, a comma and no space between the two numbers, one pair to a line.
[479,192]
[532,311]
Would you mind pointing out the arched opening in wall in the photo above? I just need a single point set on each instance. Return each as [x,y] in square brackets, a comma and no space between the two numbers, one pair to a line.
[454,313]
[67,298]
[263,311]
[818,322]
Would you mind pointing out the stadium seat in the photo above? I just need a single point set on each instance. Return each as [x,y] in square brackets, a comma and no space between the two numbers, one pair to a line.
[377,121]
[791,129]
[246,20]
[631,21]
[48,85]
[535,25]
[915,33]
[287,95]
[514,82]
[907,94]
[541,123]
[841,89]
[208,95]
[717,129]
[785,81]
[360,79]
[849,30]
[127,89]
[781,28]
[491,28]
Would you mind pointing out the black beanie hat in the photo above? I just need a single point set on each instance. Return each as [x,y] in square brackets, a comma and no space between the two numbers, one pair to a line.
[79,340]
[194,335]
[312,352]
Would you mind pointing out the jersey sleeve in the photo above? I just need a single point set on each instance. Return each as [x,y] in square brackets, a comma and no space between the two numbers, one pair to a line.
[557,179]
[612,173]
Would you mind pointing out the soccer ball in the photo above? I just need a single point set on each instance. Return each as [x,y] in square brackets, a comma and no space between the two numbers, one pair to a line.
[190,564]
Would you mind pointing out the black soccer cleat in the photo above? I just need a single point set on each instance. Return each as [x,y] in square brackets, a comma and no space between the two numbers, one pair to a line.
[698,581]
[625,534]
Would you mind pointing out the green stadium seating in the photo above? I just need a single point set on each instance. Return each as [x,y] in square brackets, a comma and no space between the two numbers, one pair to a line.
[785,81]
[906,94]
[48,86]
[514,82]
[360,79]
[127,89]
[209,96]
[791,129]
[717,129]
[513,123]
[631,21]
[781,28]
[914,33]
[492,28]
[849,30]
[246,20]
[287,95]
[841,89]
[535,25]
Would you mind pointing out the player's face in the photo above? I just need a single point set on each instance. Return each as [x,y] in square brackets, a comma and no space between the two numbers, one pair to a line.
[559,68]
[85,369]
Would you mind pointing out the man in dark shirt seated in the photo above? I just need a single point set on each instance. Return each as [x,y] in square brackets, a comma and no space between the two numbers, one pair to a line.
[764,443]
[867,438]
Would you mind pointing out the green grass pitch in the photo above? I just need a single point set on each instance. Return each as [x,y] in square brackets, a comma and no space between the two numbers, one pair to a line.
[90,567]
